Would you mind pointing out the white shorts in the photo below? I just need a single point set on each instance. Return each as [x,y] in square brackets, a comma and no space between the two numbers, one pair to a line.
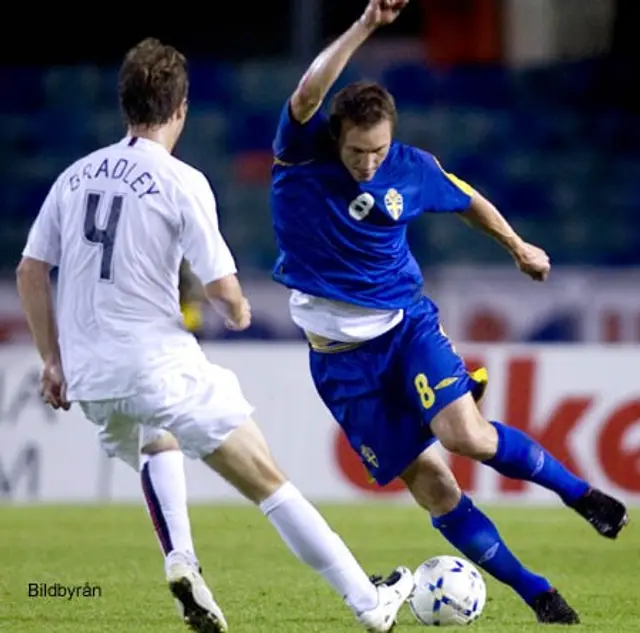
[199,403]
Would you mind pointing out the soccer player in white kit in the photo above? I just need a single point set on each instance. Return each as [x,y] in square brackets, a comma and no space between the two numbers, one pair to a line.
[117,224]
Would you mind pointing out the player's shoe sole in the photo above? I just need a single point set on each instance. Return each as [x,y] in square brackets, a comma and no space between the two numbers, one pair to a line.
[199,611]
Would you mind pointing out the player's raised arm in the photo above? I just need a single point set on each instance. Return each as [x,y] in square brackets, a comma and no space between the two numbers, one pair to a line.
[327,67]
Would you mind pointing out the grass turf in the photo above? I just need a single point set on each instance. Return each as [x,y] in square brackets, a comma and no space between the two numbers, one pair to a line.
[263,589]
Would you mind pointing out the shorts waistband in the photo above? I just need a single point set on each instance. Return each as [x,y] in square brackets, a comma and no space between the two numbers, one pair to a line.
[325,345]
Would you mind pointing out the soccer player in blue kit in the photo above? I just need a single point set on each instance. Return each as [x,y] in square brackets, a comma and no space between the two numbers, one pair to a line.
[343,194]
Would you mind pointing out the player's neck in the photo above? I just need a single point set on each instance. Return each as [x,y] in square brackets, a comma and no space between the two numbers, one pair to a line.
[161,135]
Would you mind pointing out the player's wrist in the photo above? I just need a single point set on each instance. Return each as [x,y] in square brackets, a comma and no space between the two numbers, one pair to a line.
[365,25]
[223,308]
[236,310]
[514,244]
[52,358]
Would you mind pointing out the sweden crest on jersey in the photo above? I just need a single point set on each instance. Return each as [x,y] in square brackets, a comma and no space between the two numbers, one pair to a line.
[394,203]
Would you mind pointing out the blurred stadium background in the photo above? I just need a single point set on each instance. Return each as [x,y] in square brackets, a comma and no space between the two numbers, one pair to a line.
[531,101]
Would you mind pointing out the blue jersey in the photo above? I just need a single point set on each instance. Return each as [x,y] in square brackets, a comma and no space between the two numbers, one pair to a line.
[344,240]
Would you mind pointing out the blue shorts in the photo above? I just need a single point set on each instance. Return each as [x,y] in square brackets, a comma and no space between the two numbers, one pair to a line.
[385,392]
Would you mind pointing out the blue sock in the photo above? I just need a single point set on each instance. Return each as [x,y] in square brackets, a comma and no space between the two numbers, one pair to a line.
[520,457]
[473,533]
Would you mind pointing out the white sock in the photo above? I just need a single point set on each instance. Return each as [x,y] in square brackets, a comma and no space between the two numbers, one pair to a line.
[165,492]
[310,538]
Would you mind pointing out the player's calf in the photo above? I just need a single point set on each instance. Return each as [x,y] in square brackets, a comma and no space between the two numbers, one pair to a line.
[432,483]
[165,493]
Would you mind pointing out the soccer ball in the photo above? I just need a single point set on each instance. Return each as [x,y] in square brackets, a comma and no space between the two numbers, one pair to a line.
[449,591]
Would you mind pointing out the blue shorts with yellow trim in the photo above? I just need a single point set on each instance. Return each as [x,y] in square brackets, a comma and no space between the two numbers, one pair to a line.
[385,392]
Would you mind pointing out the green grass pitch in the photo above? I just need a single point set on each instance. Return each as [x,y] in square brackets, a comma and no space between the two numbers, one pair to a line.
[263,589]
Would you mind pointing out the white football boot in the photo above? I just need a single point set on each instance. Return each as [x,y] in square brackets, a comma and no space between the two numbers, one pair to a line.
[194,600]
[393,592]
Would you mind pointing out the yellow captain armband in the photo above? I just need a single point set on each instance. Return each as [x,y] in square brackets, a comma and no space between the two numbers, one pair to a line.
[458,182]
[192,316]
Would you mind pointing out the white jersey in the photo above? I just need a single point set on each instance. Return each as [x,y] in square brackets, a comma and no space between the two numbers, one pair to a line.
[118,223]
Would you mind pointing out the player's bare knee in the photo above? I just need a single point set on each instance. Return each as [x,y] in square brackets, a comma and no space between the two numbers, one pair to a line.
[165,443]
[463,430]
[471,439]
[245,461]
[432,484]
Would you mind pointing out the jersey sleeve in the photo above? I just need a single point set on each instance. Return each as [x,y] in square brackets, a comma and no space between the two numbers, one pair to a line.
[297,142]
[442,192]
[203,245]
[44,240]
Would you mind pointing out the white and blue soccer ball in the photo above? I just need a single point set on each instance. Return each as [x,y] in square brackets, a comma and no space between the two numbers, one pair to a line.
[449,591]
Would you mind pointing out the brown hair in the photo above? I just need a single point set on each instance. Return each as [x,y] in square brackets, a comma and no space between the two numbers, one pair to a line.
[363,103]
[153,83]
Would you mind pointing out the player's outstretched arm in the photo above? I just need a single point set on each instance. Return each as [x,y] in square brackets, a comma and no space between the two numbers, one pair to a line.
[327,67]
[484,216]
